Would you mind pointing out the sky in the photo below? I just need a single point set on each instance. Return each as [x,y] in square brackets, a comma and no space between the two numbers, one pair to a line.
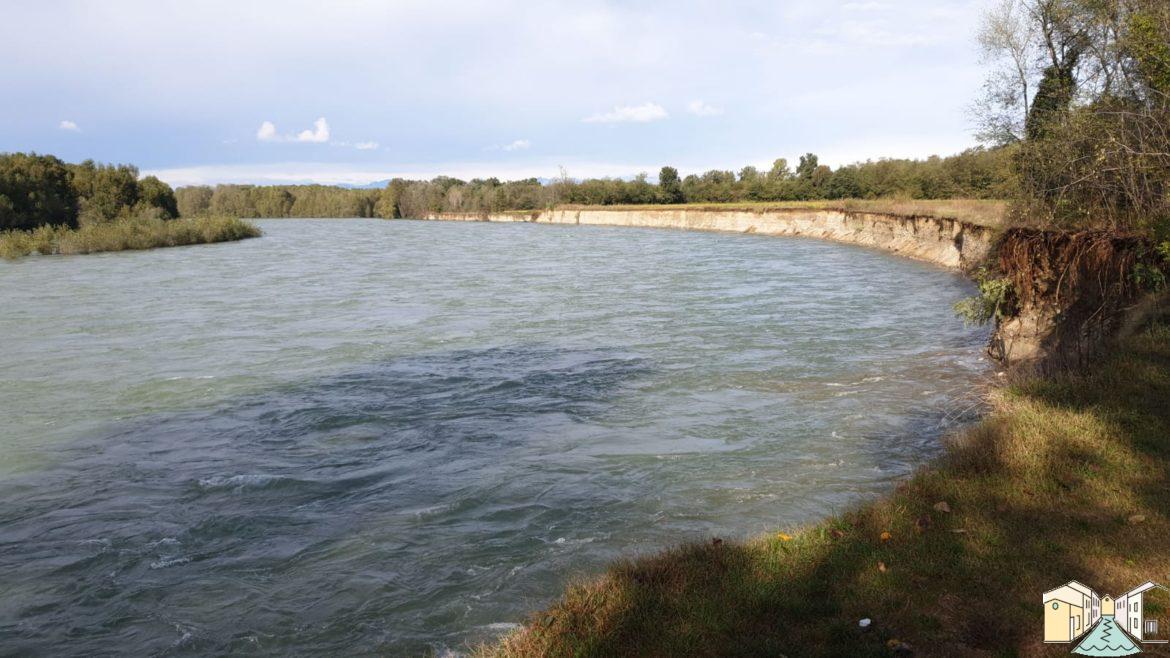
[356,91]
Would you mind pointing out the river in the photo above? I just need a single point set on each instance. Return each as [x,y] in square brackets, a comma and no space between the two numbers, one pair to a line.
[359,436]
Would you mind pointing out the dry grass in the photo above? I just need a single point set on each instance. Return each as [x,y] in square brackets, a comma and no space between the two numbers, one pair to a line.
[124,235]
[976,211]
[1047,489]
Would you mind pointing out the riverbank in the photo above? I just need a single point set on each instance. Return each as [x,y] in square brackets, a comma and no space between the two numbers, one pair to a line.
[943,241]
[1065,479]
[982,212]
[123,235]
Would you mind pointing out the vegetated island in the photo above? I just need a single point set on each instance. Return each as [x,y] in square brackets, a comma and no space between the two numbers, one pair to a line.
[50,207]
[1066,478]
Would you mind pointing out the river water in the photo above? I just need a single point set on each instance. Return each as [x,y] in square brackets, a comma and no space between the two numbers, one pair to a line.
[359,436]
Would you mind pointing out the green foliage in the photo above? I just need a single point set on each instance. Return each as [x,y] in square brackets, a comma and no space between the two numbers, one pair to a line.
[1149,277]
[1094,150]
[670,186]
[38,190]
[153,193]
[194,201]
[1148,44]
[252,201]
[994,301]
[123,234]
[976,173]
[1052,99]
[35,190]
[386,206]
[105,192]
[808,164]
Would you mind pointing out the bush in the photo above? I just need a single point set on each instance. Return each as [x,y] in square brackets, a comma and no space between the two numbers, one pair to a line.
[994,300]
[124,234]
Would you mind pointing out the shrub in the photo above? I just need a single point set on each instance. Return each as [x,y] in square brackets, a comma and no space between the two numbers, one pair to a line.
[994,300]
[124,234]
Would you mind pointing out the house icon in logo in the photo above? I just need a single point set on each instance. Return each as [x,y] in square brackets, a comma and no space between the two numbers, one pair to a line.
[1104,625]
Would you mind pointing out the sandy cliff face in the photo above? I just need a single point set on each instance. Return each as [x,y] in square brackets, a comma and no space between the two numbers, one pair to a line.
[945,242]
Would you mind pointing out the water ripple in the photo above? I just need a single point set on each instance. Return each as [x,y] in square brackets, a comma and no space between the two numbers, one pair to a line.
[393,437]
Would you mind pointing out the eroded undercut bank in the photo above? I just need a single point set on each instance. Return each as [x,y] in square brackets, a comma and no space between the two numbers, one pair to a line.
[1070,294]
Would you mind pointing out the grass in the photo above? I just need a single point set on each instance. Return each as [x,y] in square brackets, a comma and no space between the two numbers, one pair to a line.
[124,234]
[1067,478]
[976,211]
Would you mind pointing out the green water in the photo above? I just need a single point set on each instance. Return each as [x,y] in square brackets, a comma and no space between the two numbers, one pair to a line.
[354,437]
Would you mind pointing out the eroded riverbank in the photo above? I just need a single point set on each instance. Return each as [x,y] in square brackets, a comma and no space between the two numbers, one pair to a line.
[947,242]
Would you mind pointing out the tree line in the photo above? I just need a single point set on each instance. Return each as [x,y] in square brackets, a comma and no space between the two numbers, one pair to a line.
[39,190]
[255,201]
[975,173]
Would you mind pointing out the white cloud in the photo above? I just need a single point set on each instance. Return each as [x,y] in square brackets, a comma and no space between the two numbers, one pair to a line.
[701,109]
[366,146]
[518,145]
[267,132]
[318,135]
[643,113]
[68,126]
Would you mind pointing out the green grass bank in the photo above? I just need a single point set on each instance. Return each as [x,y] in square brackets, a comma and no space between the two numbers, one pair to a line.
[124,234]
[1067,477]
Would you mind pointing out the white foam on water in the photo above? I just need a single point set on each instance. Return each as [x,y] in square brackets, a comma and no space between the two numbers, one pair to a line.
[243,481]
[502,626]
[163,563]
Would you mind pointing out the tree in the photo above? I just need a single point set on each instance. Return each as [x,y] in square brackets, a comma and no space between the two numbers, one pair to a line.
[153,193]
[1094,145]
[843,184]
[1007,41]
[233,201]
[415,201]
[193,201]
[387,204]
[780,170]
[271,201]
[748,175]
[669,186]
[35,190]
[808,164]
[1147,43]
[105,191]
